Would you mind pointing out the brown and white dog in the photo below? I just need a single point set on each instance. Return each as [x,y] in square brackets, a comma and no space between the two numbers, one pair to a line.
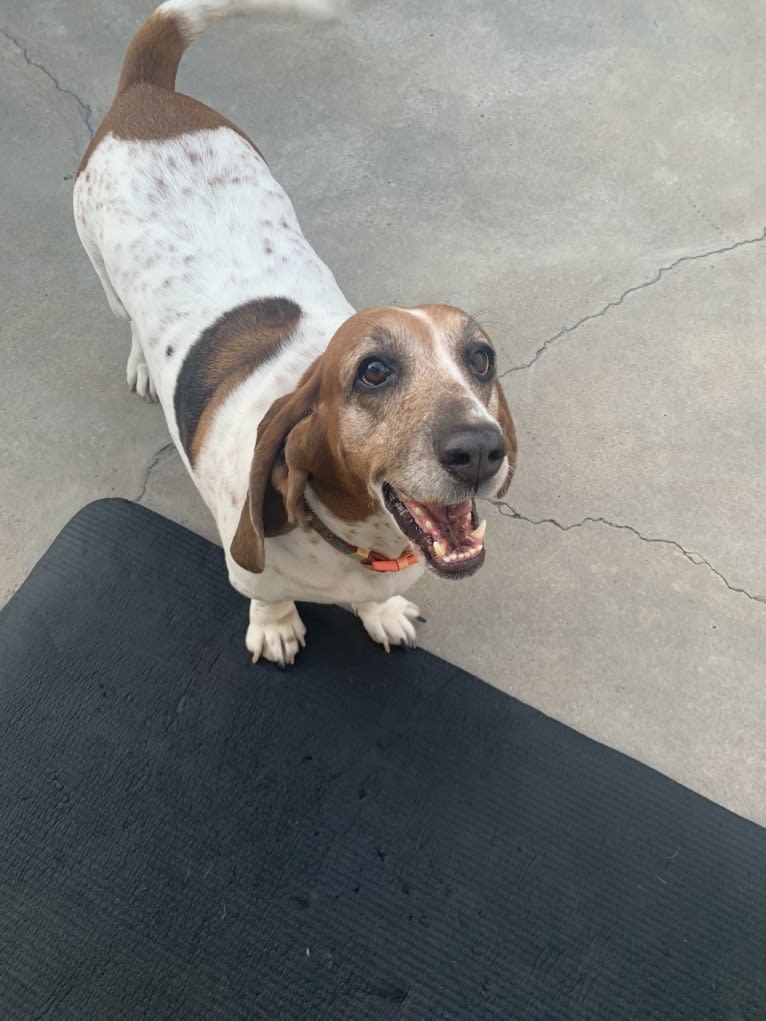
[340,452]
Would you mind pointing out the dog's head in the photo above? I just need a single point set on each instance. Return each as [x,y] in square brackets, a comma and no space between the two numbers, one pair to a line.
[403,411]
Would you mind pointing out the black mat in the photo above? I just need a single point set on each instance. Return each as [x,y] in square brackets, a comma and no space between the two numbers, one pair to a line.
[184,835]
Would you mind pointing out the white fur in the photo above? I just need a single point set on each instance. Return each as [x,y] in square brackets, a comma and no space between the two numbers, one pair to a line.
[276,632]
[389,623]
[198,15]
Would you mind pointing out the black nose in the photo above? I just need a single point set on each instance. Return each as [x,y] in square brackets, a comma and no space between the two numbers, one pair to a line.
[471,454]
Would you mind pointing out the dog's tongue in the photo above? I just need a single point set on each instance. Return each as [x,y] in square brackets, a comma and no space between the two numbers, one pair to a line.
[451,529]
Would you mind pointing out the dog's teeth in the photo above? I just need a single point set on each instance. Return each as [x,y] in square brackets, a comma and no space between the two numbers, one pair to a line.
[418,512]
[440,549]
[478,533]
[428,524]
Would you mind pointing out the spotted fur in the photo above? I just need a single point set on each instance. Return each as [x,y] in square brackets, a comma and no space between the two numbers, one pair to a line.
[244,337]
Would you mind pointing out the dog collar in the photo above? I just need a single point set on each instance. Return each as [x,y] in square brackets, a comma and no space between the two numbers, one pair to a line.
[368,558]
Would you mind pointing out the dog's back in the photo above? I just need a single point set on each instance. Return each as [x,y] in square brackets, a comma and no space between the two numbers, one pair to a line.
[179,213]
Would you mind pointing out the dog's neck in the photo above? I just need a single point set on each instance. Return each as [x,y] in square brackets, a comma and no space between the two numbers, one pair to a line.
[376,530]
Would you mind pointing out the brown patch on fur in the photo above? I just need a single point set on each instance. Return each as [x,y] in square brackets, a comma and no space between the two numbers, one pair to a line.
[224,356]
[146,113]
[154,53]
[146,107]
[343,484]
[270,511]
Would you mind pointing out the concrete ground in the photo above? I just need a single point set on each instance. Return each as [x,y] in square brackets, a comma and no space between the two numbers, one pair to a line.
[589,179]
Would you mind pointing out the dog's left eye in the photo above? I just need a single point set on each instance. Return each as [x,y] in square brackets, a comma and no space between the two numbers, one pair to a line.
[374,373]
[481,361]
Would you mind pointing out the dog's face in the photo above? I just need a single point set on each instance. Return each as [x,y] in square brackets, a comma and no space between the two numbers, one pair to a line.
[402,412]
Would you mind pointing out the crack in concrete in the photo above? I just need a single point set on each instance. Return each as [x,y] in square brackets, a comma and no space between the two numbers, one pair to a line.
[507,511]
[86,111]
[566,330]
[156,458]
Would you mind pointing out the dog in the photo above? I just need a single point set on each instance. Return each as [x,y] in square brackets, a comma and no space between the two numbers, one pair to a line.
[340,452]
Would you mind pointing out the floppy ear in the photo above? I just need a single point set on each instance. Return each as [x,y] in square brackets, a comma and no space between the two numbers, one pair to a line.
[509,435]
[278,473]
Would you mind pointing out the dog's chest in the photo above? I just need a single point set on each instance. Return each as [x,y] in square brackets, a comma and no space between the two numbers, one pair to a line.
[191,227]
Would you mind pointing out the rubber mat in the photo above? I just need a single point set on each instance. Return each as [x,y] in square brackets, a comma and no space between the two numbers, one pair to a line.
[184,835]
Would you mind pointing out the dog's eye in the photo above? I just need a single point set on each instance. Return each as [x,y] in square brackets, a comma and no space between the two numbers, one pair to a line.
[481,360]
[374,373]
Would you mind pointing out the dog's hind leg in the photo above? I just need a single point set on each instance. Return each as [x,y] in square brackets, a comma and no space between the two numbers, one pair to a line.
[138,375]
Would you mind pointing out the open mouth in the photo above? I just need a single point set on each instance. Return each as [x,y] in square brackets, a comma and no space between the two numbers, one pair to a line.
[450,538]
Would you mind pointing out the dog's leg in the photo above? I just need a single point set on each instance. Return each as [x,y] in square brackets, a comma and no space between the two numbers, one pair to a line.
[93,250]
[389,622]
[276,632]
[138,371]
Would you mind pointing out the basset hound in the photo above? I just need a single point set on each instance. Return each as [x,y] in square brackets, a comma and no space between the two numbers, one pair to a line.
[340,452]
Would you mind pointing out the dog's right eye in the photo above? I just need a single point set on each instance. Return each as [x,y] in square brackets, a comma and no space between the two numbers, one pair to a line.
[373,373]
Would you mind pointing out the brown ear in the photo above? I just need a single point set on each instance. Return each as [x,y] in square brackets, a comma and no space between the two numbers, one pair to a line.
[508,430]
[278,473]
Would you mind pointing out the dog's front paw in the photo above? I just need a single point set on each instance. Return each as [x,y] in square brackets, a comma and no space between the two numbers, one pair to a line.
[276,632]
[390,622]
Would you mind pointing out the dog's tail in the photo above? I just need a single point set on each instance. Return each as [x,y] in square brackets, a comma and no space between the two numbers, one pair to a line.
[156,50]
